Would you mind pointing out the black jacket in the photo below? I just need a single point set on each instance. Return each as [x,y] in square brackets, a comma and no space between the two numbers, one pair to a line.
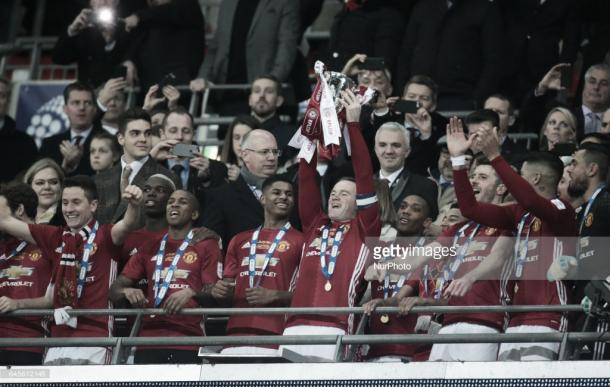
[50,148]
[17,150]
[460,48]
[169,38]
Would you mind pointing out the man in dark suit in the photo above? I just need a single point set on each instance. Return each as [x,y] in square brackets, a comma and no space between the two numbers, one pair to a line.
[17,149]
[70,149]
[506,113]
[196,173]
[392,148]
[595,100]
[235,207]
[425,127]
[135,167]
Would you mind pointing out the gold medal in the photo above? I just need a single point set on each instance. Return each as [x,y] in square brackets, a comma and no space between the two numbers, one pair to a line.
[385,318]
[328,287]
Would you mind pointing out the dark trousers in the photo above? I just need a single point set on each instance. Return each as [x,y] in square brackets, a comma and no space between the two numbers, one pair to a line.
[166,356]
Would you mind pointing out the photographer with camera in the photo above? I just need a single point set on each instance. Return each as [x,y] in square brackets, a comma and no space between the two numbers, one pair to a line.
[95,42]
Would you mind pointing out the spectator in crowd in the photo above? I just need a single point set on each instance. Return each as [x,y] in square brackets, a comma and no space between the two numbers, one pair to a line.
[46,179]
[231,148]
[392,148]
[503,107]
[70,149]
[459,45]
[251,38]
[539,34]
[425,126]
[414,217]
[168,99]
[563,192]
[588,173]
[371,27]
[134,168]
[559,128]
[196,173]
[180,272]
[538,217]
[72,245]
[104,151]
[26,275]
[235,207]
[264,101]
[275,247]
[169,37]
[17,149]
[116,106]
[337,278]
[95,41]
[595,99]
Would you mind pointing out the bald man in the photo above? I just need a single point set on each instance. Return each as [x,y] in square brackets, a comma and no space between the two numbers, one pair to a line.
[235,207]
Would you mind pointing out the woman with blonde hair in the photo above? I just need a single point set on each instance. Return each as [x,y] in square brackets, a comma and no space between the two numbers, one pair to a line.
[46,178]
[559,128]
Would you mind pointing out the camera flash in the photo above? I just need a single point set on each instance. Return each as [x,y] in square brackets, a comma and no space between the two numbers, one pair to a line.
[105,15]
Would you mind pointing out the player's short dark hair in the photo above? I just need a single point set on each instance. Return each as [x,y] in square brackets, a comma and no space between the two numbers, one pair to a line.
[21,193]
[598,154]
[132,114]
[84,182]
[503,97]
[78,86]
[274,179]
[549,161]
[483,115]
[272,78]
[603,138]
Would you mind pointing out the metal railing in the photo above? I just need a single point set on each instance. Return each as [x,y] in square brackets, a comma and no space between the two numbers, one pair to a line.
[341,341]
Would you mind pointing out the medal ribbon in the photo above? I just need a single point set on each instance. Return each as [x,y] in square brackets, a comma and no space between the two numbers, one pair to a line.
[15,252]
[328,272]
[401,279]
[268,255]
[521,244]
[161,290]
[84,264]
[452,268]
[588,207]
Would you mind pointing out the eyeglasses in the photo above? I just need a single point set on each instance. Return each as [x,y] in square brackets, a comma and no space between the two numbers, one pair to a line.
[266,152]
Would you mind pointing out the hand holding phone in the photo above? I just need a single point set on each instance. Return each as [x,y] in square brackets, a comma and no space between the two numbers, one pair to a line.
[168,80]
[404,106]
[185,150]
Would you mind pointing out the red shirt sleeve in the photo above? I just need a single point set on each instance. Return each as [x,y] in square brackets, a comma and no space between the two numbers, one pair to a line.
[48,238]
[210,252]
[365,184]
[554,212]
[310,201]
[232,264]
[135,269]
[485,213]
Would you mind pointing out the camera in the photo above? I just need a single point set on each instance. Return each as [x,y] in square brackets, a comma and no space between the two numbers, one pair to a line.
[103,16]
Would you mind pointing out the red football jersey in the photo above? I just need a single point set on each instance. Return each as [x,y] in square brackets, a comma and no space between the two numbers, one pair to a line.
[484,292]
[549,221]
[279,275]
[196,268]
[26,275]
[137,239]
[101,274]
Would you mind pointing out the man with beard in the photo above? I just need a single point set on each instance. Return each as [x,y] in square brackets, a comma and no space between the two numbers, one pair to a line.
[264,101]
[588,172]
[260,268]
[180,272]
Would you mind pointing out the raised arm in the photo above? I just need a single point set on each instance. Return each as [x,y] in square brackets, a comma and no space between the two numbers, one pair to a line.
[310,201]
[133,195]
[12,225]
[485,213]
[366,199]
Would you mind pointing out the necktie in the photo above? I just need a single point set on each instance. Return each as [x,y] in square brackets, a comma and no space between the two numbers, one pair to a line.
[594,124]
[125,177]
[77,140]
[177,169]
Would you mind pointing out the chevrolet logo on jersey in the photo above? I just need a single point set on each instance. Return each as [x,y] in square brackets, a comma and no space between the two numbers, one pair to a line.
[178,274]
[260,258]
[16,272]
[265,245]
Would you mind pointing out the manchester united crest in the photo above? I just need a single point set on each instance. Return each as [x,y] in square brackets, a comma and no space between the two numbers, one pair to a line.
[190,257]
[589,220]
[536,225]
[35,255]
[490,231]
[283,246]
